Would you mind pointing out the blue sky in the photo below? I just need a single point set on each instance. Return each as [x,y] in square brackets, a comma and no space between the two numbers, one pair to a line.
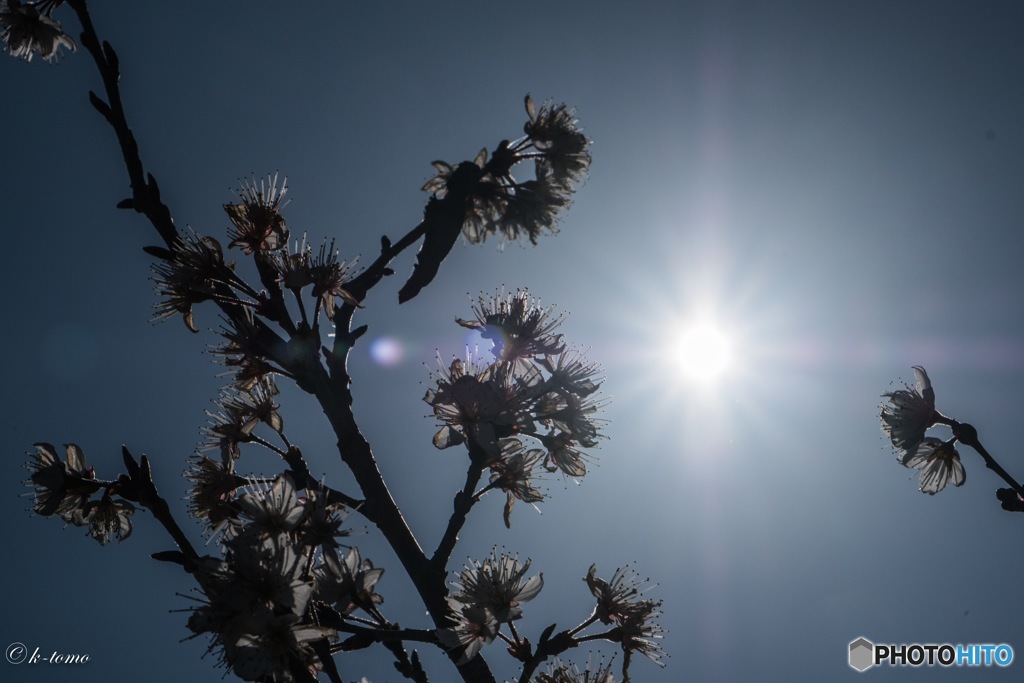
[837,185]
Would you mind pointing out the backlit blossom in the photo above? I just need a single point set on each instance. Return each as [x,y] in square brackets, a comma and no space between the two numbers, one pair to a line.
[615,598]
[255,609]
[294,266]
[241,351]
[497,584]
[554,131]
[472,627]
[269,643]
[641,633]
[27,29]
[60,487]
[213,487]
[329,276]
[479,403]
[938,462]
[106,518]
[274,509]
[322,524]
[188,274]
[516,325]
[348,583]
[257,223]
[514,474]
[563,673]
[241,412]
[909,412]
[495,202]
[562,455]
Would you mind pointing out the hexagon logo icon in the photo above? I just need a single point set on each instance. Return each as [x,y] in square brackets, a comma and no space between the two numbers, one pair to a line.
[862,654]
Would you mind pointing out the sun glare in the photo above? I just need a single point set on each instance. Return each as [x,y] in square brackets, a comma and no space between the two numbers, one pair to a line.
[703,352]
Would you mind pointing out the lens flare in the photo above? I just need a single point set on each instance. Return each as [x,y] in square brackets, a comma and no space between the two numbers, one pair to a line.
[387,351]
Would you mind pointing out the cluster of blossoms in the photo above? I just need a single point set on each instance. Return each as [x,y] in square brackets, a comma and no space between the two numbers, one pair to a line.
[497,203]
[536,389]
[620,602]
[66,489]
[194,270]
[489,595]
[28,28]
[281,576]
[906,416]
[563,673]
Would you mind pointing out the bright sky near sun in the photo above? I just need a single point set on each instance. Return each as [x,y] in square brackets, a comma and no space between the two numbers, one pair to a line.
[790,204]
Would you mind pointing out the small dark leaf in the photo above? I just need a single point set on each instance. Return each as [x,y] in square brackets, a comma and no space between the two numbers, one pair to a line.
[128,203]
[175,556]
[1010,501]
[158,252]
[443,220]
[546,634]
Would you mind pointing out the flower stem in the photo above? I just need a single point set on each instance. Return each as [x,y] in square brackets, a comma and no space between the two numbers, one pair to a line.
[968,435]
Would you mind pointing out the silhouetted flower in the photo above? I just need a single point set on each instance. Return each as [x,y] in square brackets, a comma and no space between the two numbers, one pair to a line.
[571,372]
[514,474]
[294,266]
[348,584]
[562,673]
[257,223]
[255,608]
[268,643]
[497,585]
[240,351]
[213,487]
[188,275]
[474,402]
[329,276]
[909,412]
[28,28]
[60,487]
[641,633]
[616,598]
[241,412]
[472,628]
[938,462]
[323,521]
[494,202]
[517,326]
[571,415]
[562,455]
[106,518]
[554,131]
[274,509]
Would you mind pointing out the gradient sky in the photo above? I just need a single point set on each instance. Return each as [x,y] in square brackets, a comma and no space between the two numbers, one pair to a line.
[837,184]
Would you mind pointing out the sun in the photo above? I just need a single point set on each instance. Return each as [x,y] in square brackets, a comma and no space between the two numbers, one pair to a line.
[702,352]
